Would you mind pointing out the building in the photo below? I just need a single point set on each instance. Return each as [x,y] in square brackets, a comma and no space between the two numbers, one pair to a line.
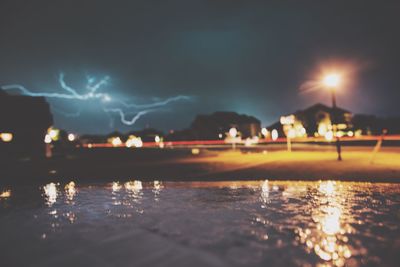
[217,124]
[24,121]
[373,125]
[316,120]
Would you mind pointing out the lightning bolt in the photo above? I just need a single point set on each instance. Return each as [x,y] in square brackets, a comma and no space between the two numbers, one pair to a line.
[123,115]
[73,94]
[93,86]
[156,104]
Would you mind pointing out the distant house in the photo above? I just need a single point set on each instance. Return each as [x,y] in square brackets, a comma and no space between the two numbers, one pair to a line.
[370,124]
[24,121]
[318,119]
[217,124]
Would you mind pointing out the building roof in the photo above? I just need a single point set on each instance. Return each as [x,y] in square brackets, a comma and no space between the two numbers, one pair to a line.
[321,107]
[311,111]
[223,118]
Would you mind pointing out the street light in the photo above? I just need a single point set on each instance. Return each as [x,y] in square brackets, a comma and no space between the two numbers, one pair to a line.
[6,137]
[47,139]
[233,133]
[264,132]
[71,137]
[287,123]
[274,134]
[332,82]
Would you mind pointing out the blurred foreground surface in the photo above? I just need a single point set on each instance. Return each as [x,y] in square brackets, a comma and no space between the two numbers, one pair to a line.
[248,223]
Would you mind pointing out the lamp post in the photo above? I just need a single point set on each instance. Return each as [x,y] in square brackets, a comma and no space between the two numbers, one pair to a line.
[332,82]
[287,123]
[233,133]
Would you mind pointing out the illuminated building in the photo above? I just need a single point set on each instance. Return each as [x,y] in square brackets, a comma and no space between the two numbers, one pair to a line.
[208,127]
[315,121]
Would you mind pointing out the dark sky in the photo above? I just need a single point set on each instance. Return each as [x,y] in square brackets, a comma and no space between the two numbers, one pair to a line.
[240,55]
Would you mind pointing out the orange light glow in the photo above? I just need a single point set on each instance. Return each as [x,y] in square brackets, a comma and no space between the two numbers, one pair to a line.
[195,151]
[327,235]
[6,137]
[116,186]
[5,194]
[70,190]
[116,141]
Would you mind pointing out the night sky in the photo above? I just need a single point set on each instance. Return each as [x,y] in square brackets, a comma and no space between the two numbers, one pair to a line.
[252,57]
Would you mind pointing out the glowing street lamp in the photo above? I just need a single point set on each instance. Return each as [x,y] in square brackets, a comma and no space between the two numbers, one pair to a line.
[233,133]
[47,139]
[71,137]
[274,135]
[287,123]
[264,132]
[53,133]
[332,82]
[6,137]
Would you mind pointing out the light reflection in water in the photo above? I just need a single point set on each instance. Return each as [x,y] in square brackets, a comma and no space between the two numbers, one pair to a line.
[264,193]
[319,212]
[295,190]
[50,197]
[157,187]
[132,199]
[134,188]
[132,196]
[70,191]
[50,193]
[326,236]
[116,186]
[327,188]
